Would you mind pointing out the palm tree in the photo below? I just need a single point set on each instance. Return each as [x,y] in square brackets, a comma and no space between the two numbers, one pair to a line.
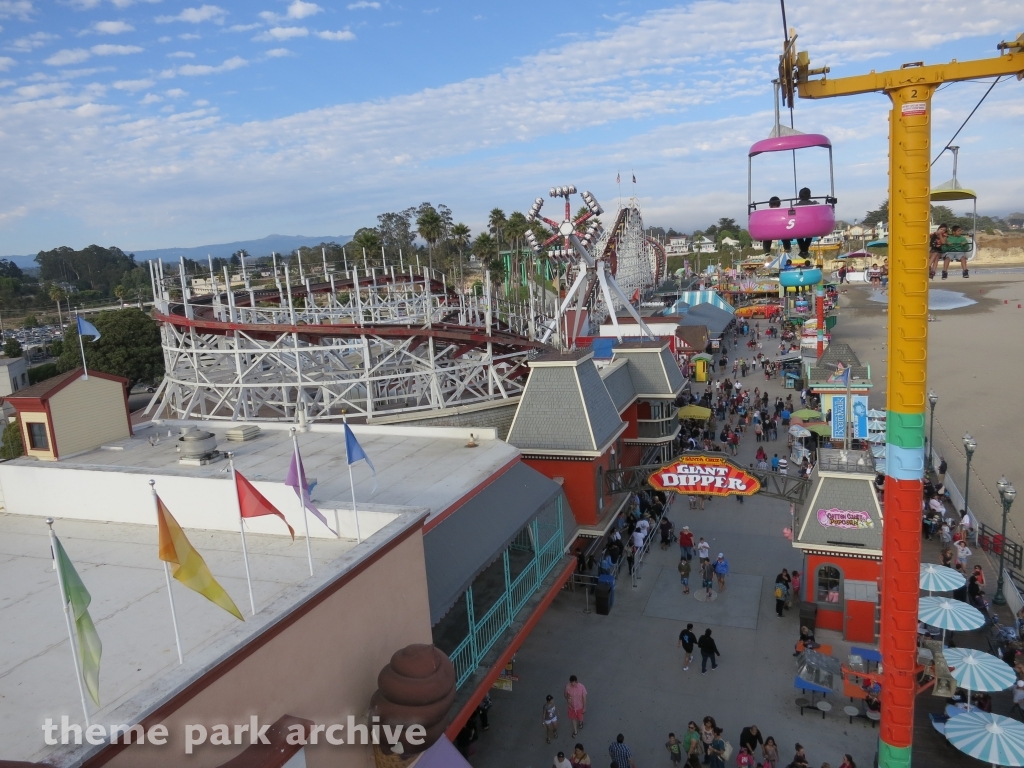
[486,249]
[120,292]
[430,226]
[460,234]
[57,295]
[515,230]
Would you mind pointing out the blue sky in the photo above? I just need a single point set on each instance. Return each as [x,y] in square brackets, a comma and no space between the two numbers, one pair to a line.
[151,123]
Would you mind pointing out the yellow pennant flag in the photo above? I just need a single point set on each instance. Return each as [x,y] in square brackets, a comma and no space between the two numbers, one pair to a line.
[187,565]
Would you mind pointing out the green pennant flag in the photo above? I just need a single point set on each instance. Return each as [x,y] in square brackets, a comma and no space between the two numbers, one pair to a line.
[89,646]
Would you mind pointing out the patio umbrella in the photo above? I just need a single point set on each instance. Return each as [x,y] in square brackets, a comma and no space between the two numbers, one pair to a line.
[878,437]
[819,428]
[797,431]
[946,613]
[991,738]
[694,412]
[878,451]
[978,671]
[939,578]
[876,426]
[806,414]
[876,414]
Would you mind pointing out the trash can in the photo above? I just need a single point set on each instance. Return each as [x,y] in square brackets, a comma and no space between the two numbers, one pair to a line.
[604,594]
[808,614]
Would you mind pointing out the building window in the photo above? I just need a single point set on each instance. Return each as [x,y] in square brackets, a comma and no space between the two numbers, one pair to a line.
[37,438]
[829,583]
[600,487]
[24,379]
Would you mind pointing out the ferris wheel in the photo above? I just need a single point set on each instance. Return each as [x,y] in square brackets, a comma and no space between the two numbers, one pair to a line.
[590,274]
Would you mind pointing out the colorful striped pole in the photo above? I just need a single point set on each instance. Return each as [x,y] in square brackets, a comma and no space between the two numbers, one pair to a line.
[819,300]
[909,188]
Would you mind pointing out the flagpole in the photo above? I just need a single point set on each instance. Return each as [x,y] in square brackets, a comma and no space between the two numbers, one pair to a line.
[302,495]
[67,619]
[241,525]
[849,413]
[352,485]
[167,578]
[81,348]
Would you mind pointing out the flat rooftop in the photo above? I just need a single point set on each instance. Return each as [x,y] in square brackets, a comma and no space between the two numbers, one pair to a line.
[429,467]
[119,566]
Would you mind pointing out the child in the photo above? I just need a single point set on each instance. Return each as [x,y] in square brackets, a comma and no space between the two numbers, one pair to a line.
[549,716]
[675,749]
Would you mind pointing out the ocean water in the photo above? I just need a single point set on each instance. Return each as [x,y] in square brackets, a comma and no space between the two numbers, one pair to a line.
[938,300]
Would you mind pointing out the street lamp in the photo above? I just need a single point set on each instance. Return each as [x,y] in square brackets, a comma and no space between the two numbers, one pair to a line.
[970,444]
[1007,493]
[932,400]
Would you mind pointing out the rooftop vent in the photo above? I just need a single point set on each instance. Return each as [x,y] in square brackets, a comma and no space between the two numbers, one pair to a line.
[198,447]
[242,433]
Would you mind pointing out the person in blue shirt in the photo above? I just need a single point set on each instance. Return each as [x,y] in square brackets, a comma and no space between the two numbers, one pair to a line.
[721,571]
[775,463]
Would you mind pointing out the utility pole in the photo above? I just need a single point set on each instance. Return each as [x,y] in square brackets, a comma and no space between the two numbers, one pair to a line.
[910,90]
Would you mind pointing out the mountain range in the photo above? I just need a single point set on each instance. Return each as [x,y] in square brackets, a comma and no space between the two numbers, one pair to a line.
[261,247]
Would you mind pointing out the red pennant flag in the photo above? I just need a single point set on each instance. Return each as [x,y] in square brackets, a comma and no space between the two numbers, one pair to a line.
[252,503]
[636,295]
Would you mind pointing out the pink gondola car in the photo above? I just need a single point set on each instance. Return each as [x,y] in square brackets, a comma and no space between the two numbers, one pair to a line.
[791,221]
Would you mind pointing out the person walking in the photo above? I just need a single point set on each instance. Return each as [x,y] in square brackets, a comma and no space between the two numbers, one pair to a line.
[561,761]
[718,750]
[686,539]
[780,598]
[708,650]
[620,753]
[675,749]
[549,717]
[783,465]
[580,758]
[691,741]
[707,735]
[770,753]
[794,588]
[703,549]
[721,571]
[684,575]
[686,641]
[576,701]
[750,737]
[707,577]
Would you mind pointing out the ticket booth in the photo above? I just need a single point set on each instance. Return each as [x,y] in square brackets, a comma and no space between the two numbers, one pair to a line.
[701,366]
[839,531]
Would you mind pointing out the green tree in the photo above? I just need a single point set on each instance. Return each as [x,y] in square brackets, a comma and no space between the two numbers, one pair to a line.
[430,227]
[129,346]
[12,348]
[460,234]
[57,295]
[729,224]
[485,248]
[878,216]
[93,267]
[56,347]
[496,224]
[368,238]
[30,321]
[12,446]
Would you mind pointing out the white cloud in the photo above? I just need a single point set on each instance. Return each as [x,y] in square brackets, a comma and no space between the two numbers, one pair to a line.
[164,39]
[151,98]
[31,42]
[112,27]
[243,27]
[363,4]
[181,55]
[16,9]
[282,33]
[193,70]
[342,34]
[190,36]
[175,93]
[133,85]
[196,15]
[200,103]
[115,50]
[276,53]
[300,10]
[68,56]
[6,62]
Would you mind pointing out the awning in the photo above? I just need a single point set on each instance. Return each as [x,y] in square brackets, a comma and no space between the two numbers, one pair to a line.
[475,535]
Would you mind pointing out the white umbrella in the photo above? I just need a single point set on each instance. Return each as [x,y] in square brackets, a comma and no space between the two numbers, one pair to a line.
[991,738]
[939,578]
[945,613]
[878,438]
[876,414]
[876,426]
[878,451]
[979,671]
[797,431]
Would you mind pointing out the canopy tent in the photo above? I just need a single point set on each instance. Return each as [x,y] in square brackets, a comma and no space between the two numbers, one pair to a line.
[819,428]
[806,414]
[695,412]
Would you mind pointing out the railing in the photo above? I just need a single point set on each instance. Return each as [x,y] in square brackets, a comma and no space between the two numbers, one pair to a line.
[641,553]
[991,540]
[486,631]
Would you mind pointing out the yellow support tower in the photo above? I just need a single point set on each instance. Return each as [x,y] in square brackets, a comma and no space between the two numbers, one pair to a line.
[910,89]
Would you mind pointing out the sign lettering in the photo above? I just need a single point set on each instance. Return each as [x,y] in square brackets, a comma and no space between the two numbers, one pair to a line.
[706,476]
[845,519]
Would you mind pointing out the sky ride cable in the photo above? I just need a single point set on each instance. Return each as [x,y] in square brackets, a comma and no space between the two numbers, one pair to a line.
[965,121]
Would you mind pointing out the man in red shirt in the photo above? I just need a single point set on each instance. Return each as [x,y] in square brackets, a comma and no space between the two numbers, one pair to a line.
[576,699]
[685,544]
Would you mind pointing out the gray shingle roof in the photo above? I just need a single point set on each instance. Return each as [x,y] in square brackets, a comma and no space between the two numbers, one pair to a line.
[835,353]
[652,369]
[619,384]
[854,494]
[714,318]
[565,407]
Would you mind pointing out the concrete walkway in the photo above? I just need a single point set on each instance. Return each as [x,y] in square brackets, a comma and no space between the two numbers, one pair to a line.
[633,670]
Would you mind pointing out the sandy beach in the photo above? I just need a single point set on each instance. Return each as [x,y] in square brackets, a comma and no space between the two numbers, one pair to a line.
[975,365]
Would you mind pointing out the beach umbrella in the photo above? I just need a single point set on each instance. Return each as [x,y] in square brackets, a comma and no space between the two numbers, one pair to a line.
[693,411]
[879,438]
[806,414]
[994,739]
[819,428]
[946,613]
[939,578]
[798,431]
[979,671]
[878,451]
[876,426]
[874,413]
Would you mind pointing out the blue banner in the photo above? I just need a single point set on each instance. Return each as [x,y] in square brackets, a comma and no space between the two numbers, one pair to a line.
[839,417]
[860,416]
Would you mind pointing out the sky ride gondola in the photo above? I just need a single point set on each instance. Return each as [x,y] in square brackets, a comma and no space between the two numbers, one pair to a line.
[802,218]
[951,191]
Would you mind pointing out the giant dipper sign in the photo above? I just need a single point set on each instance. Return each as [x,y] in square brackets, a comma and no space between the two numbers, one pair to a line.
[706,476]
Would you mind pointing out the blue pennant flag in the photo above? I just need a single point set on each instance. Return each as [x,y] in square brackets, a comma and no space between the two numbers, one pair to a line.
[85,328]
[355,451]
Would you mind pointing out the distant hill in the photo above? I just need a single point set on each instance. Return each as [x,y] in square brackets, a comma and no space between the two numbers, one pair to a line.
[262,247]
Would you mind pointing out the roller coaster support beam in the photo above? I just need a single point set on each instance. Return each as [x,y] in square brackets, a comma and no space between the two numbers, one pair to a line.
[910,89]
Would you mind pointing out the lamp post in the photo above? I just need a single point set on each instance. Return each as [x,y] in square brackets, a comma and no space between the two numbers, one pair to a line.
[932,400]
[970,444]
[1007,493]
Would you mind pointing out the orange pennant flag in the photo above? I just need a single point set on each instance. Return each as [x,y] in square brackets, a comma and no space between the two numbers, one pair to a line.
[187,565]
[252,503]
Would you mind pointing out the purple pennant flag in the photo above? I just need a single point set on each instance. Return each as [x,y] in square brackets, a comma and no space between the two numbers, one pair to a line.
[296,480]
